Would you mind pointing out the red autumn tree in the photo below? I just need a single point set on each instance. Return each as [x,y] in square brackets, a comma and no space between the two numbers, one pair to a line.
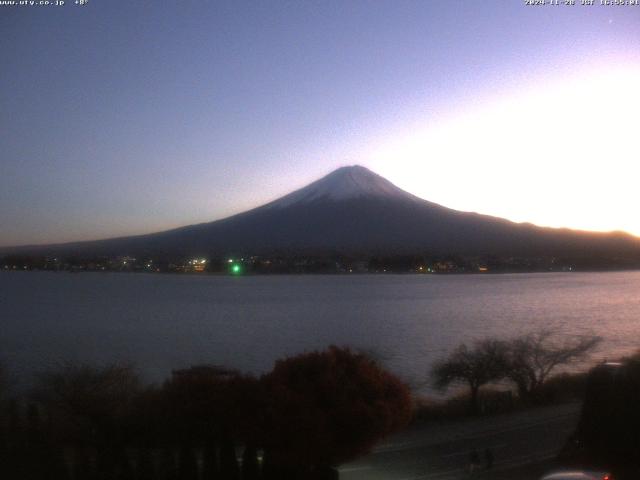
[325,408]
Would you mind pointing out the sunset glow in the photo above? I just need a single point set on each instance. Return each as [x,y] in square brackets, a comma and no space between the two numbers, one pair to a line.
[182,116]
[560,151]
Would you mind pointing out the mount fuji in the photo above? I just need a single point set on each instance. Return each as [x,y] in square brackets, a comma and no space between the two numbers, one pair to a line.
[353,210]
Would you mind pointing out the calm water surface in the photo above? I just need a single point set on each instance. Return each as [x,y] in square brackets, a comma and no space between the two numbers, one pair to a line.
[163,322]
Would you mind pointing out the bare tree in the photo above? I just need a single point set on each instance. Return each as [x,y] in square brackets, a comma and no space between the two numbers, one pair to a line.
[88,405]
[484,363]
[532,358]
[88,393]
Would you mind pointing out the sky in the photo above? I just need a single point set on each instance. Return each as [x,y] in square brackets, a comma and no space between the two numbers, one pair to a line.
[120,118]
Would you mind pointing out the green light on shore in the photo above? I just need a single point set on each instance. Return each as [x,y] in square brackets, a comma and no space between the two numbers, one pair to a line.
[235,269]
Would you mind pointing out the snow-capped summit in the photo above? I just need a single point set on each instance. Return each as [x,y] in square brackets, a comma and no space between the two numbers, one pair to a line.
[345,183]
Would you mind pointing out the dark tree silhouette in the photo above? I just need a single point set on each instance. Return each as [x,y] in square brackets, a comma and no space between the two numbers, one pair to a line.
[4,421]
[87,407]
[210,467]
[229,469]
[533,357]
[4,382]
[609,428]
[484,363]
[187,463]
[250,467]
[195,399]
[94,399]
[325,408]
[310,414]
[145,466]
[210,408]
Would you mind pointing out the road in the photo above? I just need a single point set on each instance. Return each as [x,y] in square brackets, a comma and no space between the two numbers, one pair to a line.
[442,452]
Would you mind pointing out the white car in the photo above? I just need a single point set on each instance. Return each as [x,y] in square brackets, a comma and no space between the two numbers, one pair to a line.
[578,475]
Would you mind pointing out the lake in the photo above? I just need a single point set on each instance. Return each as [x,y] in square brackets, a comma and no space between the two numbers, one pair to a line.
[163,322]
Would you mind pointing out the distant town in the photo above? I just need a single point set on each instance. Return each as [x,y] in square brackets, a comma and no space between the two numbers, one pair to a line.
[320,264]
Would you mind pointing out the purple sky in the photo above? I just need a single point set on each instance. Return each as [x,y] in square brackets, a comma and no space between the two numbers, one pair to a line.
[131,117]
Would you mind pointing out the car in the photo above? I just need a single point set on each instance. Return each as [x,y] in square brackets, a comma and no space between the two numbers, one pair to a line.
[577,475]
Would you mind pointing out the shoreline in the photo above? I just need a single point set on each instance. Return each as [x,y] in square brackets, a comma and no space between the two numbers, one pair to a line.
[325,274]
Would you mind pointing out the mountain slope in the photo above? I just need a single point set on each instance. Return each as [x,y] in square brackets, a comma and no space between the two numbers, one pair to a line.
[353,210]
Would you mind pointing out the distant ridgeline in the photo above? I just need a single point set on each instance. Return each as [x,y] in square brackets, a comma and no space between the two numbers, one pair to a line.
[349,220]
